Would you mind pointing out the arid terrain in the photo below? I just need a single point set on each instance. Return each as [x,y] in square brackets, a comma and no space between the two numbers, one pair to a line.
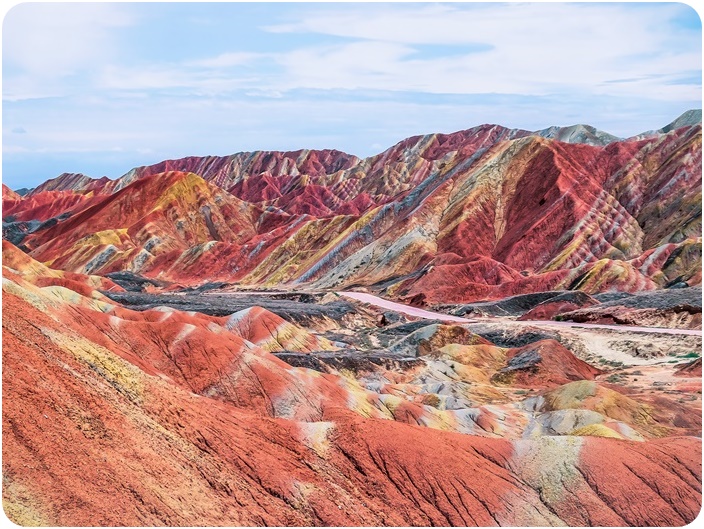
[492,327]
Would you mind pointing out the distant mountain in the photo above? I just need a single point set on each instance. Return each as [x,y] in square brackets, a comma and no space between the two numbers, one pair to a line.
[690,118]
[687,119]
[22,191]
[70,182]
[476,214]
[578,134]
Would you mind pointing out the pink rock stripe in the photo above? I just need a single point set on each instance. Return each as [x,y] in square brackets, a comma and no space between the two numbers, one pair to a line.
[405,309]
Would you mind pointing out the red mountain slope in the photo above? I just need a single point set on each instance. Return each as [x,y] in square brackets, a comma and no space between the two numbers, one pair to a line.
[154,221]
[113,417]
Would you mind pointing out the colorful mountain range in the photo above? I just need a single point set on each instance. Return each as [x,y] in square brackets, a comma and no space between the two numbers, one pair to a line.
[162,417]
[175,353]
[478,214]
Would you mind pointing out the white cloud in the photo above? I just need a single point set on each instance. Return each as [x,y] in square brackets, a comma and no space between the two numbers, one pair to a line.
[130,78]
[197,81]
[550,25]
[366,64]
[225,60]
[529,49]
[525,49]
[48,40]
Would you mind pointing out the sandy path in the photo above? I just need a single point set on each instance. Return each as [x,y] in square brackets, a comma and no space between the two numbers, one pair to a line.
[400,307]
[420,313]
[622,328]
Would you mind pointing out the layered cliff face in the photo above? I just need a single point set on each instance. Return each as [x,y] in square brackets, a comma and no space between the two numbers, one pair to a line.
[162,417]
[478,214]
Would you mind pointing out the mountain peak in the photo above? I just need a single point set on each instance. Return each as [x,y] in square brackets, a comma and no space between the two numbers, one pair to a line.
[578,133]
[686,119]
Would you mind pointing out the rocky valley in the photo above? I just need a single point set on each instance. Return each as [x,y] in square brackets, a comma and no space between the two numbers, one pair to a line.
[490,327]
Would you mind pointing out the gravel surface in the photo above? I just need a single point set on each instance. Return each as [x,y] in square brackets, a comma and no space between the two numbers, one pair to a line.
[225,304]
[352,360]
[513,306]
[657,299]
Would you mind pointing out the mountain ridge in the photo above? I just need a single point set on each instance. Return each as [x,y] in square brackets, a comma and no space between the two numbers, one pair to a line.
[176,350]
[481,213]
[576,133]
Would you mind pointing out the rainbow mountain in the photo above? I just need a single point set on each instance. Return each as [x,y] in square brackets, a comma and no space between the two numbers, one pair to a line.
[478,214]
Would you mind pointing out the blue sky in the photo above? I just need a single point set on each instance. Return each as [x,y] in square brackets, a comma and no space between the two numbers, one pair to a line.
[100,88]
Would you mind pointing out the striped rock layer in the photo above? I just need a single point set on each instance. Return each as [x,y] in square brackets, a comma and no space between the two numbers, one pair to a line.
[162,417]
[478,214]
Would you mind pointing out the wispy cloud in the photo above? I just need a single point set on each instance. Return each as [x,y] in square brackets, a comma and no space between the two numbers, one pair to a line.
[225,60]
[52,40]
[527,48]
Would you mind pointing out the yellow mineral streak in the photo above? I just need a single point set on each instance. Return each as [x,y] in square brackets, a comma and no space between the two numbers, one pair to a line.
[186,191]
[122,375]
[21,505]
[103,238]
[596,430]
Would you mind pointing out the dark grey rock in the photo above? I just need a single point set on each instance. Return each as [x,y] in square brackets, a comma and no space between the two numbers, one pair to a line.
[224,304]
[133,282]
[660,299]
[16,231]
[512,306]
[678,284]
[503,337]
[605,297]
[349,359]
[523,360]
